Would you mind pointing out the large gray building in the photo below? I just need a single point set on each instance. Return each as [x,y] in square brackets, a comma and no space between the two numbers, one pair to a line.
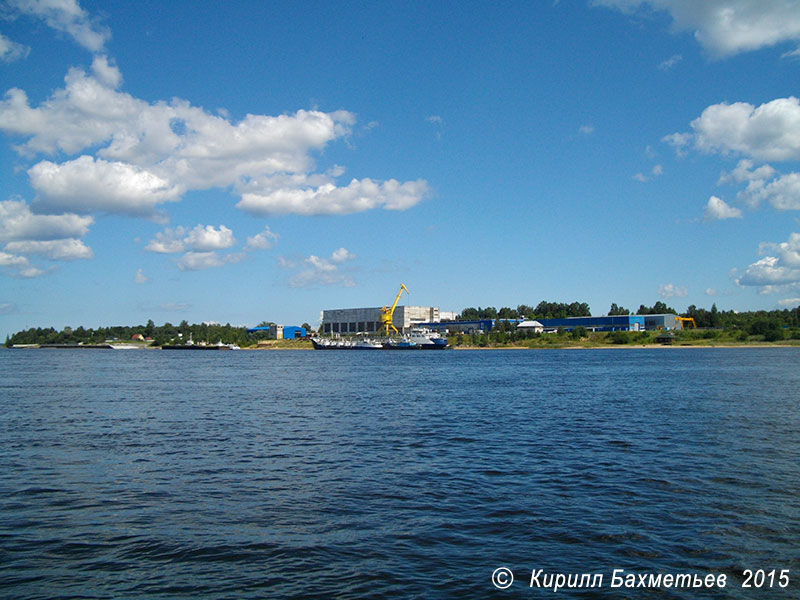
[350,321]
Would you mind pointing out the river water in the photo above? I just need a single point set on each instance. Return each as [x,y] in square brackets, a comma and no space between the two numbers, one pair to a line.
[301,474]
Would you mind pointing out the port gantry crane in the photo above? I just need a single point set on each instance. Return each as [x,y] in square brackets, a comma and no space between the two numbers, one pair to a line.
[388,313]
[684,321]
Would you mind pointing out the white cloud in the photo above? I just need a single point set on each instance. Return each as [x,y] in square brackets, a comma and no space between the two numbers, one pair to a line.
[66,249]
[151,153]
[198,261]
[342,255]
[768,272]
[773,272]
[783,193]
[11,50]
[322,271]
[52,237]
[265,240]
[18,266]
[202,239]
[586,129]
[790,302]
[711,292]
[169,241]
[767,132]
[65,16]
[727,27]
[641,177]
[96,185]
[679,141]
[744,172]
[359,195]
[788,253]
[718,210]
[17,222]
[671,290]
[670,62]
[140,277]
[770,131]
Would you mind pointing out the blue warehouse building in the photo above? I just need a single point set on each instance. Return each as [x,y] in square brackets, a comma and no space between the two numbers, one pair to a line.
[605,323]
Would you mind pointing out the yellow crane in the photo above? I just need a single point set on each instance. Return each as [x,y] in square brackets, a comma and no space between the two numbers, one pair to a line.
[388,313]
[684,321]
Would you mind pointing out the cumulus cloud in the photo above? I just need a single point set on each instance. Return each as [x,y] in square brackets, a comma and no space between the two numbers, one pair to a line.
[68,249]
[18,266]
[17,222]
[670,290]
[67,17]
[777,272]
[788,253]
[718,210]
[203,239]
[359,195]
[726,27]
[744,171]
[265,240]
[782,192]
[770,131]
[95,185]
[151,153]
[169,241]
[11,50]
[198,261]
[51,237]
[767,132]
[679,141]
[318,271]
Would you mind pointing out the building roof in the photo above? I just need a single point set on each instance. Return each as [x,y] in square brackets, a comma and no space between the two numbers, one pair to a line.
[525,324]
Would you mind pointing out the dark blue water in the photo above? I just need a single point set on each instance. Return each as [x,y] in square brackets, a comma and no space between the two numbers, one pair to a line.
[156,474]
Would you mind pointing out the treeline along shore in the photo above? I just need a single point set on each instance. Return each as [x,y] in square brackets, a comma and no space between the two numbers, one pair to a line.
[714,327]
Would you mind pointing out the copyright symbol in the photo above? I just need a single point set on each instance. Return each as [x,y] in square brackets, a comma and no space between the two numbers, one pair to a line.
[502,578]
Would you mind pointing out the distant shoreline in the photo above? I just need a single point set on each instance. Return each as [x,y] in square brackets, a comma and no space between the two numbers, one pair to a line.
[307,347]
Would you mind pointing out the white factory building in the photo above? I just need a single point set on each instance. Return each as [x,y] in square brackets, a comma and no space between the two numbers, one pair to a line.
[367,320]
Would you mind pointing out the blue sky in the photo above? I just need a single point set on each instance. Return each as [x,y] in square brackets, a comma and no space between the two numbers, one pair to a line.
[247,161]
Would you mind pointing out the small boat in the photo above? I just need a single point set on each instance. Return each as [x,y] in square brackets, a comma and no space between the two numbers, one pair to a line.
[367,344]
[427,339]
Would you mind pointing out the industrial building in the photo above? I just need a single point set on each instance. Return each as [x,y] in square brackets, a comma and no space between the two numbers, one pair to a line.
[368,320]
[606,323]
[349,321]
[603,323]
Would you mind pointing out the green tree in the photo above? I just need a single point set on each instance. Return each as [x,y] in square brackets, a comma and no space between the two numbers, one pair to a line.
[617,310]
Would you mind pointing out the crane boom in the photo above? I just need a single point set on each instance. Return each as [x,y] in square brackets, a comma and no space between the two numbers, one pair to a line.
[388,313]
